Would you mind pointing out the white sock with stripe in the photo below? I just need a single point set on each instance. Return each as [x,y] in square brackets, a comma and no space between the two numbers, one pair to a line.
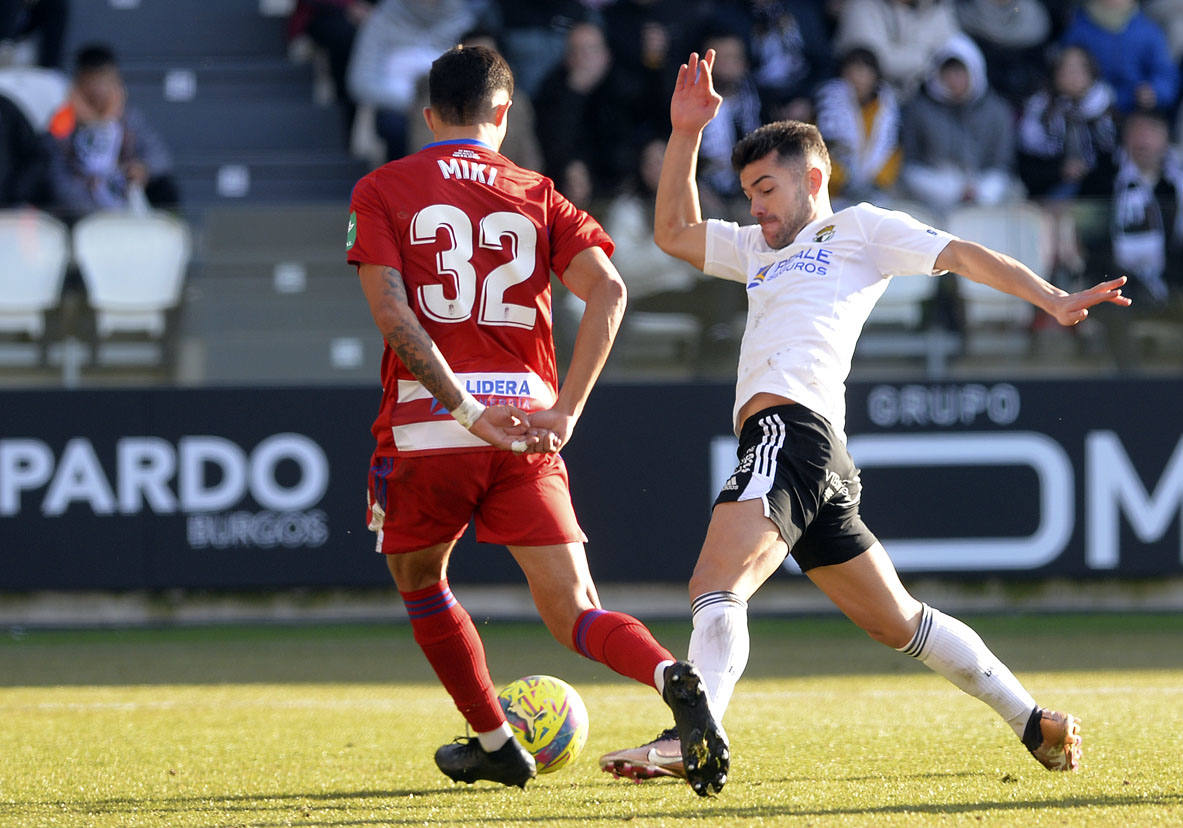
[950,648]
[719,644]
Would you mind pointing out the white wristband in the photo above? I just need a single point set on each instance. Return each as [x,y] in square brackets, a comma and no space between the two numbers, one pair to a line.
[468,412]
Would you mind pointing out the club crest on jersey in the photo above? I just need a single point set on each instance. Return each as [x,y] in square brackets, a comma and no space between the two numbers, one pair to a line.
[761,275]
[825,234]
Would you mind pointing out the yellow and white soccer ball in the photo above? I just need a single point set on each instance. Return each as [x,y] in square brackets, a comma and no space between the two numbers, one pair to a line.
[548,717]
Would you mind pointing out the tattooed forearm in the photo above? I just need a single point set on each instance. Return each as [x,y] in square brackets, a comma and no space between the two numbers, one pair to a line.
[411,343]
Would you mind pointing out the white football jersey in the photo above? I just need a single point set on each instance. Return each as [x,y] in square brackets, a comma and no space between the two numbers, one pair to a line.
[807,302]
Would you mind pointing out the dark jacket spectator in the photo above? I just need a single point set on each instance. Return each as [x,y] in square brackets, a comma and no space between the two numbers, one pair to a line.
[586,110]
[1147,218]
[332,25]
[1067,135]
[790,55]
[649,39]
[24,161]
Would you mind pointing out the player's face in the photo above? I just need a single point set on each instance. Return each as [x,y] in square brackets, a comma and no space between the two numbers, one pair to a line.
[779,194]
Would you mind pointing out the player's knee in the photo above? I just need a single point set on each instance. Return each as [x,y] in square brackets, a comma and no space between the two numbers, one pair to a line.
[892,633]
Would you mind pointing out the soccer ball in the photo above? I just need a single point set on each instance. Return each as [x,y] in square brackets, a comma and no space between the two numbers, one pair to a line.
[548,718]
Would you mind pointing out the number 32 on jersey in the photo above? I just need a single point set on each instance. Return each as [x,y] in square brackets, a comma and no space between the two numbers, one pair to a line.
[456,262]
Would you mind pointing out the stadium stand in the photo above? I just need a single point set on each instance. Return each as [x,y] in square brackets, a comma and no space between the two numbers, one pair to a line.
[34,253]
[1020,230]
[274,302]
[264,173]
[238,114]
[134,267]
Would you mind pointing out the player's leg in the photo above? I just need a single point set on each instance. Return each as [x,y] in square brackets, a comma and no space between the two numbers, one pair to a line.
[419,507]
[741,551]
[445,633]
[530,511]
[868,590]
[561,586]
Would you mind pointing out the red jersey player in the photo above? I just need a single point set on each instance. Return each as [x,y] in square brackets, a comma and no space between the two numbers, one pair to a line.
[454,246]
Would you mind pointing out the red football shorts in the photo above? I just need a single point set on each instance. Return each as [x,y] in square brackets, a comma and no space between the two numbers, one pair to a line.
[515,500]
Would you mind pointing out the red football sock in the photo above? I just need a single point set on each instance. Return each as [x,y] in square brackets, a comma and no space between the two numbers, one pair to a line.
[445,633]
[620,641]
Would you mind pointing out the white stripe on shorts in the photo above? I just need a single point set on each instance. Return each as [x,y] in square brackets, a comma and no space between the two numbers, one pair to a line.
[764,469]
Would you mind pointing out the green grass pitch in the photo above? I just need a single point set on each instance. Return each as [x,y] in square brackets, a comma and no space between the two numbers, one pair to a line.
[336,726]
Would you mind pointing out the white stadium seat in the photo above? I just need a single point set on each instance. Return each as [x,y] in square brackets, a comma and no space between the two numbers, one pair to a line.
[1020,230]
[39,92]
[34,253]
[134,267]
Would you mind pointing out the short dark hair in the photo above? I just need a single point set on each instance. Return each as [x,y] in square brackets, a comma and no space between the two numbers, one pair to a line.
[790,140]
[463,82]
[860,56]
[94,57]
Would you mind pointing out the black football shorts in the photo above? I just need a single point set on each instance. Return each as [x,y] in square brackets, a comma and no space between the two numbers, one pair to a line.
[791,459]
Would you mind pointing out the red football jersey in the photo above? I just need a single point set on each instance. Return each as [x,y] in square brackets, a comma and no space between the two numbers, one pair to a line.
[475,238]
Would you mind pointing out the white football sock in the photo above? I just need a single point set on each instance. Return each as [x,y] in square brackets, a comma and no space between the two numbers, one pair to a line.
[719,644]
[953,650]
[492,740]
[659,676]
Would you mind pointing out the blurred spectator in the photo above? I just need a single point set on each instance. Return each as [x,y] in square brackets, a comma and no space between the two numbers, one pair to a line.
[859,116]
[654,279]
[1012,35]
[105,154]
[790,55]
[44,19]
[660,283]
[1147,235]
[649,39]
[1067,135]
[1168,14]
[521,143]
[332,25]
[903,34]
[23,159]
[1148,211]
[958,134]
[738,115]
[394,49]
[534,34]
[1131,51]
[588,109]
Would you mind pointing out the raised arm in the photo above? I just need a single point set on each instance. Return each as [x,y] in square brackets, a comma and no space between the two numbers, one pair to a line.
[678,228]
[999,271]
[500,425]
[593,278]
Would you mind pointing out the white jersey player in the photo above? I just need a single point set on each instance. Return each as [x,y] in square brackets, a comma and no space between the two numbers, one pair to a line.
[812,277]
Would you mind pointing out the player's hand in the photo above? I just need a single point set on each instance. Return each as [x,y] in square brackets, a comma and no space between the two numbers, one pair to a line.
[503,426]
[557,426]
[1072,308]
[695,101]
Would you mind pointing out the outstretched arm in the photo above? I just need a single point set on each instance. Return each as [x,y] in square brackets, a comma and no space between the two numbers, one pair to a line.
[1002,272]
[502,426]
[678,228]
